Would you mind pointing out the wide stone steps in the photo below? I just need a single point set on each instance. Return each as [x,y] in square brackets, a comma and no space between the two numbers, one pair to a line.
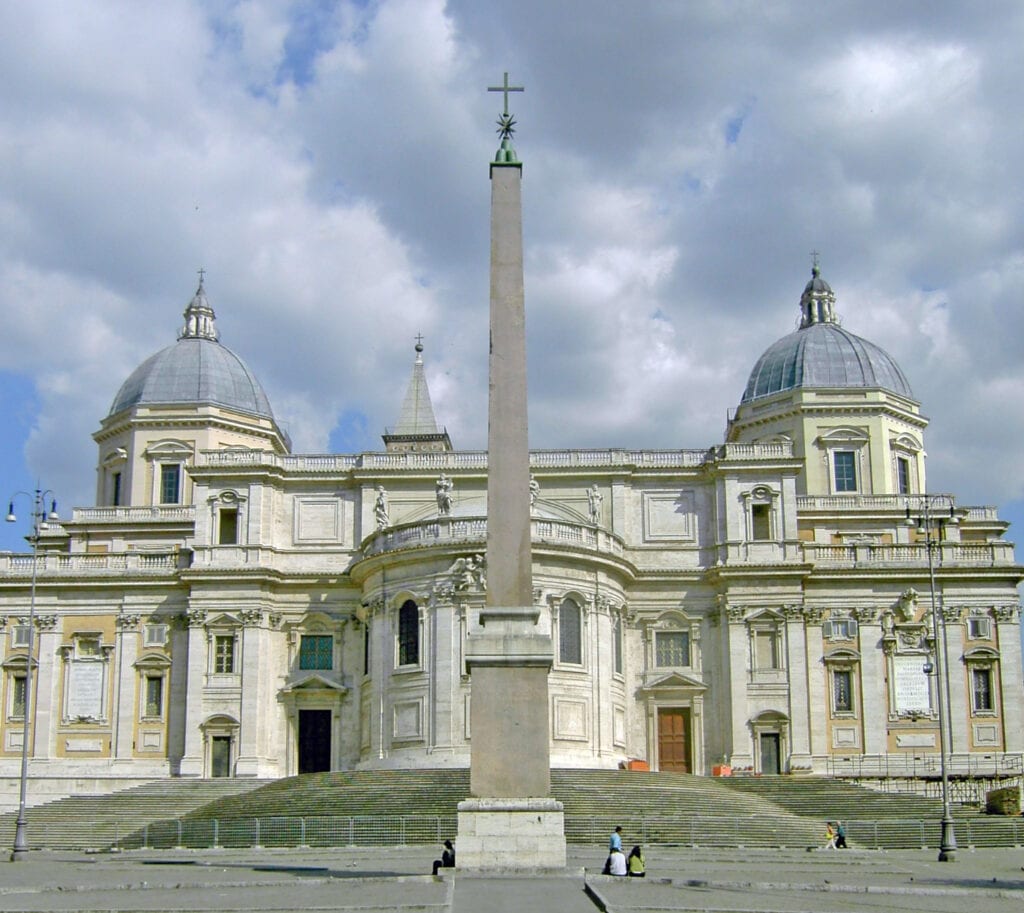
[99,821]
[420,806]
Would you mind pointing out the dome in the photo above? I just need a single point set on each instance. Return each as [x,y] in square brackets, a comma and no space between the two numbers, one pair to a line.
[822,354]
[196,369]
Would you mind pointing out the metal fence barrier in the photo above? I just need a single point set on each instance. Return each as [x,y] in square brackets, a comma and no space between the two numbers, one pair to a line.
[696,830]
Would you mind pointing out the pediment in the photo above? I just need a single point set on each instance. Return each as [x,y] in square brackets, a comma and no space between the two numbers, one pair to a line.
[313,681]
[674,681]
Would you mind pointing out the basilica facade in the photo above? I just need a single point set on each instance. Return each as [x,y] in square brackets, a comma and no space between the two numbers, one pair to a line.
[229,608]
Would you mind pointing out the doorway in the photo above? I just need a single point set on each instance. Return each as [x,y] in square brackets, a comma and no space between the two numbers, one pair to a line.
[674,739]
[220,756]
[770,753]
[314,741]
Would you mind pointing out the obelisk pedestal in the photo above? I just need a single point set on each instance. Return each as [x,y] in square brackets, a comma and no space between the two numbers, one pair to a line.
[511,822]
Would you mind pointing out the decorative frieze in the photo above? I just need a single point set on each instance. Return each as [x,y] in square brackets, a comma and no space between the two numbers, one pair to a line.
[1007,613]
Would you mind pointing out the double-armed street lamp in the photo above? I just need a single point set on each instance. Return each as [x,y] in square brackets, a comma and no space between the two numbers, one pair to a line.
[933,512]
[40,522]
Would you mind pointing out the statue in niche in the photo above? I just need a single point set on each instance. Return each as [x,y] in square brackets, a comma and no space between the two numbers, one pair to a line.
[444,489]
[595,501]
[381,509]
[534,491]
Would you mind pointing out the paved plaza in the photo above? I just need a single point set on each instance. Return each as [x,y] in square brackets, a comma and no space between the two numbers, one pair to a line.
[365,880]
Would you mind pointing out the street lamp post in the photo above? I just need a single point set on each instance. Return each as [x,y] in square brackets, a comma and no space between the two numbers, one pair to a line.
[39,523]
[932,522]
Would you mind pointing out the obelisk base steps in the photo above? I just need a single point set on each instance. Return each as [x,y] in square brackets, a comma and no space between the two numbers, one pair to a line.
[502,834]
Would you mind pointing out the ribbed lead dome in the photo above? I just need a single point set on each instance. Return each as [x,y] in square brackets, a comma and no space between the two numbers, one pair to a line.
[196,369]
[822,354]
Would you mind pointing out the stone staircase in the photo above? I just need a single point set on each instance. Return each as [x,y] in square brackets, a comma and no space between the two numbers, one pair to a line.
[391,807]
[97,822]
[889,820]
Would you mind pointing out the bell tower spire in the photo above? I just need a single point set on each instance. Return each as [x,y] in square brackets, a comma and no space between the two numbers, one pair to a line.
[417,429]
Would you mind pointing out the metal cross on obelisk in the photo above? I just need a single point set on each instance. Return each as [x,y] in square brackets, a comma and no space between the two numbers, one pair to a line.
[511,821]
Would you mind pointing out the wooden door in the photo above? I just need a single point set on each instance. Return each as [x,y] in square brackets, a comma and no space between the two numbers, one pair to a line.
[674,739]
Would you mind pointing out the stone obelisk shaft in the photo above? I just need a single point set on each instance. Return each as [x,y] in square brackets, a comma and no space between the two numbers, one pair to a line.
[508,655]
[509,572]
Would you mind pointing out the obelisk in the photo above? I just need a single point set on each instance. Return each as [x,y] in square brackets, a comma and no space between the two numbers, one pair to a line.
[511,821]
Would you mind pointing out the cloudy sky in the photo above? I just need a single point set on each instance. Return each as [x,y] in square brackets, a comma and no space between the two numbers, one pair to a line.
[326,164]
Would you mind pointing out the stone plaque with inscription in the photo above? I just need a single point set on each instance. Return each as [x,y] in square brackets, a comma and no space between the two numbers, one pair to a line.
[911,686]
[85,690]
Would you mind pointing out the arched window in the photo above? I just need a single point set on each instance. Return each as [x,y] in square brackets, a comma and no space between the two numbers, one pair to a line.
[570,633]
[409,634]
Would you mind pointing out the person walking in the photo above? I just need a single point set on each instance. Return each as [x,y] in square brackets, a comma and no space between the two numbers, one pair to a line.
[830,837]
[840,841]
[614,846]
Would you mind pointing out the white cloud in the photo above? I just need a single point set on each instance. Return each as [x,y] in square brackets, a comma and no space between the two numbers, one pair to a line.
[327,164]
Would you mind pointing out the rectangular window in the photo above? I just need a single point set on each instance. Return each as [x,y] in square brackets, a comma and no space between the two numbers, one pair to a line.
[761,520]
[842,691]
[617,644]
[87,647]
[170,483]
[903,475]
[316,651]
[840,628]
[978,628]
[766,651]
[224,653]
[154,696]
[982,681]
[18,697]
[227,533]
[115,493]
[156,635]
[672,648]
[845,462]
[19,636]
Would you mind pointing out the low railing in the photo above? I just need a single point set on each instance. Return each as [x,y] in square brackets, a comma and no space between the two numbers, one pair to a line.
[477,459]
[108,562]
[473,530]
[156,514]
[951,553]
[917,765]
[684,830]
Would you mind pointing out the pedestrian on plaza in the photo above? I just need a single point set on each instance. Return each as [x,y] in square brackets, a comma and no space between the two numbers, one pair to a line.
[447,860]
[830,837]
[635,863]
[840,836]
[614,845]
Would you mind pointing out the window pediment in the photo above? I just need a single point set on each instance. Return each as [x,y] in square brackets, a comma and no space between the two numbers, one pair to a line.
[674,681]
[313,681]
[841,656]
[843,436]
[981,655]
[152,661]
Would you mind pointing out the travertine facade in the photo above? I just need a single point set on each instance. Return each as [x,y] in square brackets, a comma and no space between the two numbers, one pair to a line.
[230,608]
